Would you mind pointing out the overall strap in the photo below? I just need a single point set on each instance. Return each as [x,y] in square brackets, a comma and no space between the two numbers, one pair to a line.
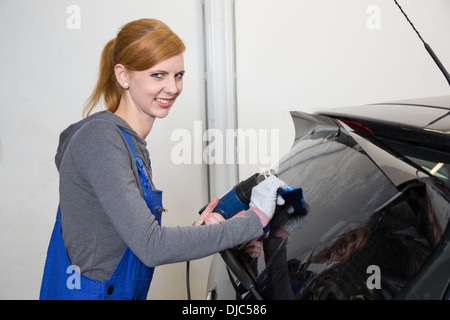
[130,143]
[139,162]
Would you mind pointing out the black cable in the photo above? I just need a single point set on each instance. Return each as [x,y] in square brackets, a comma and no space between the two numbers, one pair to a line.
[188,285]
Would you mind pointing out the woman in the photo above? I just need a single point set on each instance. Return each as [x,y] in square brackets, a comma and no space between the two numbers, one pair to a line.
[108,224]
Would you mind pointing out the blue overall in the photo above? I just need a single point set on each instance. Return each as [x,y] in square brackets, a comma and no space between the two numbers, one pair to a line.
[131,278]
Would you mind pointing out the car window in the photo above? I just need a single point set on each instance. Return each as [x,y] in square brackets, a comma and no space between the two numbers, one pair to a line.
[434,162]
[363,239]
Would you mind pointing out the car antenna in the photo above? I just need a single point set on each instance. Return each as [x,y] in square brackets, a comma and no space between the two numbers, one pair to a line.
[427,47]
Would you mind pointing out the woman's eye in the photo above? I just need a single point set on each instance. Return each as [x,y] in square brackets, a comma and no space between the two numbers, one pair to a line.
[157,75]
[179,75]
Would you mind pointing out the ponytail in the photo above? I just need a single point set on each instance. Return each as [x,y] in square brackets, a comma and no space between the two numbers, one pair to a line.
[106,84]
[139,45]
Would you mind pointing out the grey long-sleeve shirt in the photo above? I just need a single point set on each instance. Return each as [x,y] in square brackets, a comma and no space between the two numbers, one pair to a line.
[103,211]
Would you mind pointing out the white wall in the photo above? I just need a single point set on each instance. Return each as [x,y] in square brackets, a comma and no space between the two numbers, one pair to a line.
[47,72]
[309,54]
[291,55]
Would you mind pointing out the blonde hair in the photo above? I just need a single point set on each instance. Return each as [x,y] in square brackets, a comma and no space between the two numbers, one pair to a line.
[139,45]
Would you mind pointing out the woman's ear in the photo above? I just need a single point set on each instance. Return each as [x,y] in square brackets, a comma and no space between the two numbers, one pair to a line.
[121,75]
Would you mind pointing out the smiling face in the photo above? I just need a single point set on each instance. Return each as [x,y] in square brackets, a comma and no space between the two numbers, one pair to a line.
[346,245]
[152,92]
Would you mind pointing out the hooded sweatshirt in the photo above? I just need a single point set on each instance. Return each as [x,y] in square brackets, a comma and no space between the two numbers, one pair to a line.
[103,210]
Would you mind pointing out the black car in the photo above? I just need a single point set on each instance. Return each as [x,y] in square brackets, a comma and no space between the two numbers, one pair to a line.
[376,179]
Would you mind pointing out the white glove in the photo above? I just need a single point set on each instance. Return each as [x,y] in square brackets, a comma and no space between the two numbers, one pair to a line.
[265,198]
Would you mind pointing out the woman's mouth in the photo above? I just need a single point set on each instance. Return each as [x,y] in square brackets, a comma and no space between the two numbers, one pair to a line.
[164,103]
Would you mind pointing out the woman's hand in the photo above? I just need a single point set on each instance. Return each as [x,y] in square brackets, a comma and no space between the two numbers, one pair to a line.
[213,218]
[253,248]
[208,216]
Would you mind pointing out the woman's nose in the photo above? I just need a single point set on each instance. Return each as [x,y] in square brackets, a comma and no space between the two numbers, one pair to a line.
[171,86]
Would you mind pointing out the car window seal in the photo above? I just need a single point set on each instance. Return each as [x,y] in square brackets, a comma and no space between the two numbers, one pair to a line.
[240,273]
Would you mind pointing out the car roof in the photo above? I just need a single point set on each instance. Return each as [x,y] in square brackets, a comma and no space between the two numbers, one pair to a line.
[434,102]
[424,121]
[417,113]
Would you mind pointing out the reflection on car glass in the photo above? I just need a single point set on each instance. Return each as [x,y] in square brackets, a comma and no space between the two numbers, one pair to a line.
[398,240]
